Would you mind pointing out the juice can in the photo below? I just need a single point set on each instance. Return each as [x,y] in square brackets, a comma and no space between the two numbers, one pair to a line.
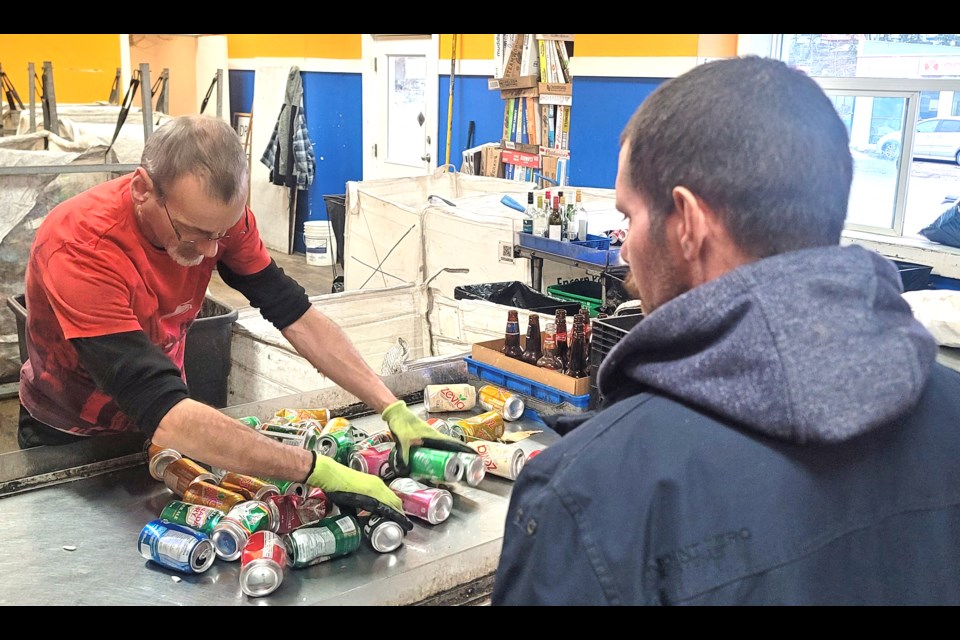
[493,398]
[449,397]
[176,546]
[262,562]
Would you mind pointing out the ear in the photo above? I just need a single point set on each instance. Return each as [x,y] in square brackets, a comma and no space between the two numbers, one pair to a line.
[692,223]
[140,186]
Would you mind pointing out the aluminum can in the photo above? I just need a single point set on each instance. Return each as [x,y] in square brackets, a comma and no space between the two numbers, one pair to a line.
[256,488]
[261,564]
[485,426]
[473,468]
[449,397]
[248,517]
[380,437]
[181,473]
[336,445]
[176,546]
[383,534]
[159,459]
[296,415]
[374,460]
[493,398]
[210,495]
[288,487]
[195,516]
[440,425]
[285,434]
[500,459]
[296,512]
[251,421]
[335,424]
[435,465]
[331,537]
[428,503]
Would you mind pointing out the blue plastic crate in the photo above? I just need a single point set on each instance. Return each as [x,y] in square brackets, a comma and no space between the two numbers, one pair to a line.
[601,243]
[581,251]
[526,386]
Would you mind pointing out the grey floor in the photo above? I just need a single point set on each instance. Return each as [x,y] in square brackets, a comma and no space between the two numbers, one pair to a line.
[317,280]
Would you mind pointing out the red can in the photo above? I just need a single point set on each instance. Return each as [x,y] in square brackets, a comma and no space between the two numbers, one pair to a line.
[296,512]
[261,564]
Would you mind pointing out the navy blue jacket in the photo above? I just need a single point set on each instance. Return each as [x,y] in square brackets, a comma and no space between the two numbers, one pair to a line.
[780,435]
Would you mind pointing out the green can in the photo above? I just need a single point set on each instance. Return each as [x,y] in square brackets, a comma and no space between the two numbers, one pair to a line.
[251,421]
[435,465]
[195,516]
[337,445]
[330,538]
[288,487]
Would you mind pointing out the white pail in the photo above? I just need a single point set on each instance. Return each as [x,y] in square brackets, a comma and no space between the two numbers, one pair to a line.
[320,241]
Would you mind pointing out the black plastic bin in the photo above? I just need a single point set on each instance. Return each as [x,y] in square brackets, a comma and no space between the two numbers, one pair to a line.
[206,357]
[515,294]
[915,277]
[605,333]
[337,215]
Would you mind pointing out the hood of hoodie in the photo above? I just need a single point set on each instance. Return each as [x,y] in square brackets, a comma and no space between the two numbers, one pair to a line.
[816,345]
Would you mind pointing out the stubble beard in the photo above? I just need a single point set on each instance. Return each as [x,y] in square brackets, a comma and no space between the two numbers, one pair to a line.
[182,260]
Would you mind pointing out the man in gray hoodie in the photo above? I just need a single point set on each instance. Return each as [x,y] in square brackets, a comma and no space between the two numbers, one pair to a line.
[775,430]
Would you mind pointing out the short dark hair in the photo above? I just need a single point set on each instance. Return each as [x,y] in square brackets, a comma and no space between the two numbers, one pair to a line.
[199,145]
[758,141]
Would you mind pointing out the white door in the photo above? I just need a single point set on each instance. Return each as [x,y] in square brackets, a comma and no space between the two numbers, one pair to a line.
[400,92]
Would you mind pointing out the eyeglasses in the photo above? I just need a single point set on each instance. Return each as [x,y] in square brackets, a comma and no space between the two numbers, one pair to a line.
[208,239]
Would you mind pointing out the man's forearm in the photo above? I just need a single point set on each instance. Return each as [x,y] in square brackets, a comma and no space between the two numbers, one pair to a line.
[329,349]
[204,434]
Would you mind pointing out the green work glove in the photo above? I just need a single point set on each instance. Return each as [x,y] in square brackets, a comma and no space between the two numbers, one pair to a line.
[348,487]
[410,431]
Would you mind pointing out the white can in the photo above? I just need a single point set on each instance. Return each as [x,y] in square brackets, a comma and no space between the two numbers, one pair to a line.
[449,397]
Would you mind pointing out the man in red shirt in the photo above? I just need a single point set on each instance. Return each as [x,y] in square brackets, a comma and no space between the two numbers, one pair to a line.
[115,277]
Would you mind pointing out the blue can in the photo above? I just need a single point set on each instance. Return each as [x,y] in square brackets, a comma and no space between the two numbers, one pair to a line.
[176,547]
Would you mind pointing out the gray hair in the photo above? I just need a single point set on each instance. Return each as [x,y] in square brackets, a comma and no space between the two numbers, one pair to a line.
[202,146]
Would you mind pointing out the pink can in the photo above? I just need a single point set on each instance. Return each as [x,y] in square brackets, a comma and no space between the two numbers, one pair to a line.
[428,503]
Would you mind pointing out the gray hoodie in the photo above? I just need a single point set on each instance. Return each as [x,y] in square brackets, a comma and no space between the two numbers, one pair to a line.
[816,345]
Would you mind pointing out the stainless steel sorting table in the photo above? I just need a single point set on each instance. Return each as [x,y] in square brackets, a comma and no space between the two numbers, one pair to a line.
[100,509]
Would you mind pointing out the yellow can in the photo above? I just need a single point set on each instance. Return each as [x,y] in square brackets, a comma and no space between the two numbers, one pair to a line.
[485,426]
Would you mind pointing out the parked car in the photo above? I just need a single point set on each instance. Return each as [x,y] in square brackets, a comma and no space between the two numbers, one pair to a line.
[935,139]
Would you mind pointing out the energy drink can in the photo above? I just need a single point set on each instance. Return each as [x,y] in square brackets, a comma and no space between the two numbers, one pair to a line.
[181,473]
[435,465]
[248,517]
[449,397]
[330,538]
[195,516]
[159,459]
[256,488]
[176,547]
[384,535]
[374,460]
[473,468]
[485,426]
[500,459]
[336,445]
[507,404]
[428,503]
[210,495]
[261,564]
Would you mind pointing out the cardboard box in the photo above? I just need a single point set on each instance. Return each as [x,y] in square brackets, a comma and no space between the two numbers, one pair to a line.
[491,165]
[532,149]
[519,158]
[489,352]
[516,82]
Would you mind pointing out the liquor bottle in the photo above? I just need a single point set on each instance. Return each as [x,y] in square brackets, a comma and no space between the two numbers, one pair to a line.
[540,221]
[562,208]
[577,366]
[529,215]
[569,214]
[549,359]
[533,349]
[580,218]
[560,324]
[511,337]
[555,222]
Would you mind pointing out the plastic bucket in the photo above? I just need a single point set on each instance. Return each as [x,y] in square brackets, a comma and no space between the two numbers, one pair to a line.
[320,242]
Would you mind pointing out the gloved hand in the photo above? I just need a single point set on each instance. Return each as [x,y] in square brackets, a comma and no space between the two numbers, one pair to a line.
[410,431]
[350,488]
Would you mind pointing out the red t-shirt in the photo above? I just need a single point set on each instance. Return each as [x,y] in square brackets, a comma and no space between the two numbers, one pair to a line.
[92,272]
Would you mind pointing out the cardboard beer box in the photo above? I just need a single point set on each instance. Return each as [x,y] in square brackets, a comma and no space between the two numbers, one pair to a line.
[489,352]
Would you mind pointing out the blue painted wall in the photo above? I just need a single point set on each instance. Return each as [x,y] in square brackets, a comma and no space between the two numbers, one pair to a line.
[601,108]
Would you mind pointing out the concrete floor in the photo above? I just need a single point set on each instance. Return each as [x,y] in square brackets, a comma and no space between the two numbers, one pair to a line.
[316,280]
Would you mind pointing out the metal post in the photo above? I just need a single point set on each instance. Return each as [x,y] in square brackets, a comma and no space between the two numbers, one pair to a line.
[146,100]
[31,88]
[49,100]
[219,93]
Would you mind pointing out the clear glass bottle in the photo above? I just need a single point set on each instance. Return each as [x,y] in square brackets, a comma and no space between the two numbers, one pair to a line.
[580,218]
[555,223]
[533,349]
[530,214]
[540,221]
[511,336]
[568,217]
[549,359]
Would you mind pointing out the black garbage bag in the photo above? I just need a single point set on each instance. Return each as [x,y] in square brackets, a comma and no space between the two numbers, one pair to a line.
[946,228]
[515,294]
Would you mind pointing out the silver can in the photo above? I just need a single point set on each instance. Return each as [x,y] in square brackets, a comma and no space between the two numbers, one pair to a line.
[428,503]
[500,459]
[473,468]
[383,535]
[507,404]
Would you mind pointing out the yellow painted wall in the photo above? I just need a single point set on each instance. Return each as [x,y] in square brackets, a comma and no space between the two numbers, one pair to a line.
[84,64]
[176,53]
[346,46]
